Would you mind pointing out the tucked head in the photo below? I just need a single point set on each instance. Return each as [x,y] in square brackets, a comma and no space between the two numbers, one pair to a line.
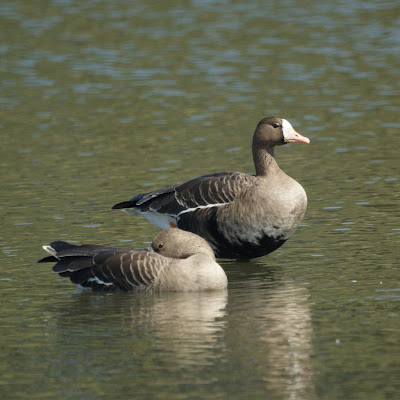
[176,243]
[272,131]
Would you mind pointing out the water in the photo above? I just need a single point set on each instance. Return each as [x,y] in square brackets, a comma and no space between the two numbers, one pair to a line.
[103,100]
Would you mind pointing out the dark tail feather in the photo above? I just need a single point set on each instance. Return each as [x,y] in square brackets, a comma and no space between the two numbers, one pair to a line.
[72,264]
[48,259]
[133,202]
[59,245]
[54,248]
[124,204]
[78,263]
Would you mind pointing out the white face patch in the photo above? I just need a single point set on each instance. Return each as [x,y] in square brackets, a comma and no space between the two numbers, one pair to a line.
[287,129]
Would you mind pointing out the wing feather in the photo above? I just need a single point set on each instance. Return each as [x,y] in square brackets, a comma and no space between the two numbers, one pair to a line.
[102,268]
[204,191]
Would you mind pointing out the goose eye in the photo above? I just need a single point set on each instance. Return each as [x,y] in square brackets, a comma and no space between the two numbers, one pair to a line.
[161,245]
[275,125]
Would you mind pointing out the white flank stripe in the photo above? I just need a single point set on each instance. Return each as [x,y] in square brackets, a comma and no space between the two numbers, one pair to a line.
[196,208]
[99,281]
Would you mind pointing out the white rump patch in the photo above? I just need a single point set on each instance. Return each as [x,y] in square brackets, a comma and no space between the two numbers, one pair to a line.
[163,221]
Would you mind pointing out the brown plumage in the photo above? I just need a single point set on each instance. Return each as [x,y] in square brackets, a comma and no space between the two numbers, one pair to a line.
[240,215]
[180,261]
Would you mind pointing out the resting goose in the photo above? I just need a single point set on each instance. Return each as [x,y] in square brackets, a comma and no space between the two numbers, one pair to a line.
[240,215]
[180,261]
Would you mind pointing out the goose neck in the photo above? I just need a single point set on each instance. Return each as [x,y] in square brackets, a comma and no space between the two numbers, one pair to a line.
[264,160]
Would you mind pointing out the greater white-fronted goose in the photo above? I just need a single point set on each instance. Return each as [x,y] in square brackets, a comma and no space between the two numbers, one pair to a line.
[180,261]
[240,215]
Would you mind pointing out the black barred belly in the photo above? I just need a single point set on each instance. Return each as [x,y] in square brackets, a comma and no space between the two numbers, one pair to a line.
[203,222]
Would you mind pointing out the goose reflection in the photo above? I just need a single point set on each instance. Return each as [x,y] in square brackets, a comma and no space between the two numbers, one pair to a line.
[148,330]
[287,334]
[185,326]
[275,317]
[257,334]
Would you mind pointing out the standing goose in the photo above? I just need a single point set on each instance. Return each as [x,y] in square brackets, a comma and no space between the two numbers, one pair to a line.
[240,215]
[180,261]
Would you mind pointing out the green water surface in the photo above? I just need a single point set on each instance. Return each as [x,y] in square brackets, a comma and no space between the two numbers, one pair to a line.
[102,100]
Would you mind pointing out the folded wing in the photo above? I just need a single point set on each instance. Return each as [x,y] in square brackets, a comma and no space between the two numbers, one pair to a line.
[206,191]
[105,268]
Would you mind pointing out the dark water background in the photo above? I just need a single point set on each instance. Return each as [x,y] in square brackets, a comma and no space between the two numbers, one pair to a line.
[102,100]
